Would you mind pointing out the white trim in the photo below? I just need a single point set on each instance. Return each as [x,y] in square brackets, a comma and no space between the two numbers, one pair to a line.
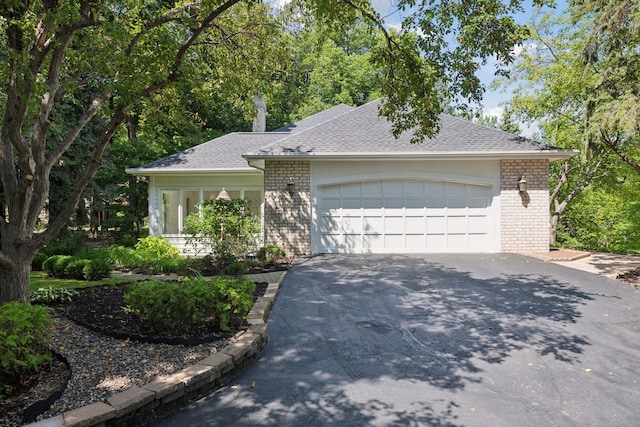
[190,171]
[552,155]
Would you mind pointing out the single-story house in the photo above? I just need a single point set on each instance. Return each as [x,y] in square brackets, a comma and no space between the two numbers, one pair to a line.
[338,181]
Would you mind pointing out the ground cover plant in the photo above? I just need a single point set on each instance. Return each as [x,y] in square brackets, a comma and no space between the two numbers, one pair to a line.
[24,343]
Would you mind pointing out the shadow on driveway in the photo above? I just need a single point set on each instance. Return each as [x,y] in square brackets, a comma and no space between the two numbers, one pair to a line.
[437,340]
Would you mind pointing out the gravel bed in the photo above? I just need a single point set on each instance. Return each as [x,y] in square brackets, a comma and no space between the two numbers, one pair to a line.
[103,366]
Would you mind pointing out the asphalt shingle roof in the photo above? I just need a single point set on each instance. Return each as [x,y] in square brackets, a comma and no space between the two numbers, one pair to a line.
[226,151]
[362,130]
[342,130]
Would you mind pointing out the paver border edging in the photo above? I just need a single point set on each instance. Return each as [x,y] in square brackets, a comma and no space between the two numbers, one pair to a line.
[165,393]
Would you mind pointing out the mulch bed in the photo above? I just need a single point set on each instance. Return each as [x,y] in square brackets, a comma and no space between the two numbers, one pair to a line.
[631,277]
[99,309]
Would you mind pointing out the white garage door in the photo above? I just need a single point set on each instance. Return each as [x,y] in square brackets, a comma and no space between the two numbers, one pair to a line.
[404,216]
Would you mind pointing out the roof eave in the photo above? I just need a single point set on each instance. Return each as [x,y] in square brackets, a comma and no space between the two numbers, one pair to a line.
[551,155]
[189,171]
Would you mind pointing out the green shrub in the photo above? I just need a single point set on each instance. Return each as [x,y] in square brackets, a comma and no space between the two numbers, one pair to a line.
[24,341]
[55,265]
[223,226]
[125,257]
[96,269]
[38,260]
[60,266]
[233,297]
[177,307]
[154,254]
[50,295]
[156,248]
[270,254]
[235,268]
[75,269]
[66,245]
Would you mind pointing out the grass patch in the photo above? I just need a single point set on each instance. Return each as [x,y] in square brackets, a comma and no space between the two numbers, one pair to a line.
[39,279]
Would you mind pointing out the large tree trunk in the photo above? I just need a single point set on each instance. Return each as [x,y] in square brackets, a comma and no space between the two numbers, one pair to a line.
[14,277]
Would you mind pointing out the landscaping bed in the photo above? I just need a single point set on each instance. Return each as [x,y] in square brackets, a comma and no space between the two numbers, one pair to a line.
[108,351]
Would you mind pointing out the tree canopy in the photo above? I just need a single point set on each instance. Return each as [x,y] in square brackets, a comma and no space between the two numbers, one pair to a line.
[74,72]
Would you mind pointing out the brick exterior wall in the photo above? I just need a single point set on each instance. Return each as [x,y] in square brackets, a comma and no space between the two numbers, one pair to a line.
[287,218]
[524,217]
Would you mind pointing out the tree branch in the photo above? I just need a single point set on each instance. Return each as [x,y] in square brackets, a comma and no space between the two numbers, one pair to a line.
[169,17]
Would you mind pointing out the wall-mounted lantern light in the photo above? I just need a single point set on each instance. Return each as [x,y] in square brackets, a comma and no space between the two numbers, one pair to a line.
[223,195]
[291,186]
[522,185]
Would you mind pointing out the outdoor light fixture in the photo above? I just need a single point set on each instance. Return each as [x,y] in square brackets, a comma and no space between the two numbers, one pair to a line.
[291,186]
[522,185]
[223,195]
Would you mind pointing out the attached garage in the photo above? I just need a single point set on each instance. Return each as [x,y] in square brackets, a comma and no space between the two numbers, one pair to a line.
[404,215]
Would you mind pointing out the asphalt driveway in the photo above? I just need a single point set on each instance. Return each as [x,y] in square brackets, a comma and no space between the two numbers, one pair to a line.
[438,340]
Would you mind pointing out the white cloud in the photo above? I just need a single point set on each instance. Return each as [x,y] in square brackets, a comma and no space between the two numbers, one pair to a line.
[494,112]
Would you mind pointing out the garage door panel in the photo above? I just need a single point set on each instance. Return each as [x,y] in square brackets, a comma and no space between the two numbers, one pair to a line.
[478,191]
[374,242]
[391,203]
[331,242]
[329,224]
[434,188]
[436,203]
[437,225]
[352,225]
[415,224]
[456,203]
[394,241]
[351,203]
[371,188]
[331,203]
[392,188]
[393,223]
[416,241]
[373,225]
[477,225]
[478,242]
[414,188]
[457,224]
[404,216]
[350,190]
[373,205]
[455,189]
[414,203]
[477,203]
[436,241]
[457,242]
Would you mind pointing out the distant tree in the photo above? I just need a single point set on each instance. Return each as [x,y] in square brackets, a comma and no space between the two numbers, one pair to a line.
[555,86]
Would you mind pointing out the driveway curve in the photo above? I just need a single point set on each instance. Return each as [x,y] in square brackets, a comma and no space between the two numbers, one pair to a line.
[438,340]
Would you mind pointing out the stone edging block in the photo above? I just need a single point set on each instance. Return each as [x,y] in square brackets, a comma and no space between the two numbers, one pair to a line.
[206,374]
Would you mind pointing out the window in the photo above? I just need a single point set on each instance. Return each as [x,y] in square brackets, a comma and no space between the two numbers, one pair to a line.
[178,204]
[170,211]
